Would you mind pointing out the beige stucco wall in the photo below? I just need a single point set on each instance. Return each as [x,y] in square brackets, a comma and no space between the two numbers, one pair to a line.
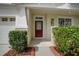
[47,24]
[76,21]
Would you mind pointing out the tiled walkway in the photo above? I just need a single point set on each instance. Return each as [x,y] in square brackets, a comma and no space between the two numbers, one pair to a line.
[43,51]
[41,43]
[3,49]
[42,47]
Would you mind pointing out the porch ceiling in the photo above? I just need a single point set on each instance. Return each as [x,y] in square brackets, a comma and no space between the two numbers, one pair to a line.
[55,11]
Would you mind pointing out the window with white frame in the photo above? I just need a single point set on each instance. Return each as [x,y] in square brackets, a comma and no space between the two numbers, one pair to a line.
[7,19]
[52,22]
[64,21]
[12,19]
[38,17]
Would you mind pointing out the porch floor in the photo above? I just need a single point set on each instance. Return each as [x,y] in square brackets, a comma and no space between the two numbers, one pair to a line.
[42,47]
[41,43]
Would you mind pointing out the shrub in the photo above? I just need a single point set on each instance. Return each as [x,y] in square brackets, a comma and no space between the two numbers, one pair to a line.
[18,40]
[67,39]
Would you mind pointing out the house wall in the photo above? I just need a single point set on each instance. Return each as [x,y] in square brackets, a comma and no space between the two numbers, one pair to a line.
[8,11]
[47,24]
[76,21]
[21,20]
[20,23]
[17,11]
[5,27]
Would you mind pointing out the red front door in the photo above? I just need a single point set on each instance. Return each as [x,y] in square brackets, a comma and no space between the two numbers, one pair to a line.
[38,28]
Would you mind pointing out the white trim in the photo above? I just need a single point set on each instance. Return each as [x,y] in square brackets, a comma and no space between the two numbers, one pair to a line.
[39,16]
[34,26]
[65,17]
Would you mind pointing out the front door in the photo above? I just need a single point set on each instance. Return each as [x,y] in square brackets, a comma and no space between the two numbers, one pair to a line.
[38,28]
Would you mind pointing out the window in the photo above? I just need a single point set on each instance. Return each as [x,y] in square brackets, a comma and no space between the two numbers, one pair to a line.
[12,19]
[64,21]
[39,25]
[4,19]
[7,19]
[52,22]
[39,18]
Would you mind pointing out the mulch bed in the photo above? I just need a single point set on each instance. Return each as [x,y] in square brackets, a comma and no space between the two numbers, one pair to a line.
[53,49]
[29,52]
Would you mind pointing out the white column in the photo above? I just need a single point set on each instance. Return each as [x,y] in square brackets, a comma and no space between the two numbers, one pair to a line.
[29,26]
[21,19]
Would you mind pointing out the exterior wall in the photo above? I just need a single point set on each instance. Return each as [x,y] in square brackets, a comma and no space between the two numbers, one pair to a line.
[32,27]
[76,21]
[20,23]
[49,17]
[16,11]
[5,27]
[4,30]
[21,17]
[21,20]
[47,24]
[8,11]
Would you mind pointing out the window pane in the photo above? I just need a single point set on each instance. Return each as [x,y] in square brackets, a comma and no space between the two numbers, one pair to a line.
[12,19]
[4,19]
[39,17]
[52,22]
[68,21]
[38,25]
[61,21]
[64,21]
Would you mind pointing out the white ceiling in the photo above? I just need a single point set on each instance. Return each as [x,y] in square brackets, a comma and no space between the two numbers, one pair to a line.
[55,11]
[54,5]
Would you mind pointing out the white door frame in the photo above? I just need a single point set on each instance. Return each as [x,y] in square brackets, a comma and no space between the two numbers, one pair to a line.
[34,26]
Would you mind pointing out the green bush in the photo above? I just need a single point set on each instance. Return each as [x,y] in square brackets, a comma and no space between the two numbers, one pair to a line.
[18,40]
[67,39]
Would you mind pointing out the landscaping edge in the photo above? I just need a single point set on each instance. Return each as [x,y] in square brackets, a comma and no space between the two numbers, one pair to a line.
[53,49]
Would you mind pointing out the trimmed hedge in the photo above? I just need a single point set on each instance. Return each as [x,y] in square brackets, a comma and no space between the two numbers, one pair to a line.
[18,40]
[67,39]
